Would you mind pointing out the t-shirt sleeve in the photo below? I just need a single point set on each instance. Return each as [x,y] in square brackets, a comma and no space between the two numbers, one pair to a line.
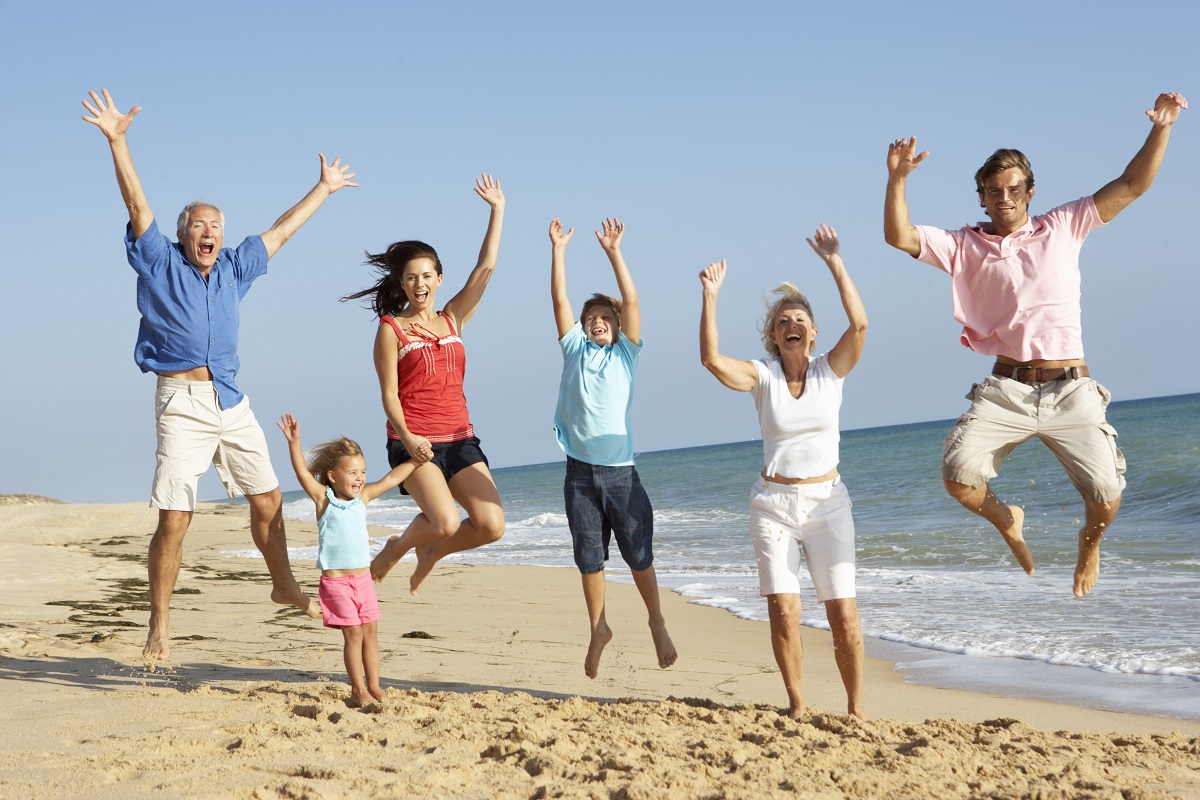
[938,247]
[149,252]
[1079,217]
[572,339]
[764,377]
[249,261]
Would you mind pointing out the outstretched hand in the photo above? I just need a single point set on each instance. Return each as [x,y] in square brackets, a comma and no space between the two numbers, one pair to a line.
[612,229]
[112,123]
[290,428]
[334,176]
[902,157]
[557,237]
[488,188]
[825,242]
[712,276]
[1166,109]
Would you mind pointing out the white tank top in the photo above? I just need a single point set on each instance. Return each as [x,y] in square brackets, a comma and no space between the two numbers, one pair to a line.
[800,436]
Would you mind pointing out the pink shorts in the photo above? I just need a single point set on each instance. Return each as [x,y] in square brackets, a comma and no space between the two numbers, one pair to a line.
[348,600]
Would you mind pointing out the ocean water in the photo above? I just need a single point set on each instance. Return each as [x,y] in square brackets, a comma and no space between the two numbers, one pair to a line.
[938,591]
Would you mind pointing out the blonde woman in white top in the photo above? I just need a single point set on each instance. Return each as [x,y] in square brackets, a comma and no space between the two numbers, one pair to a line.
[799,501]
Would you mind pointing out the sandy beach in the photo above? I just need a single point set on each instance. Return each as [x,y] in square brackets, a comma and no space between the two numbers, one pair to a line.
[487,696]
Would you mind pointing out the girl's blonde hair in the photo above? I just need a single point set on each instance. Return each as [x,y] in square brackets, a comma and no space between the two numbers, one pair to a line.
[326,456]
[789,295]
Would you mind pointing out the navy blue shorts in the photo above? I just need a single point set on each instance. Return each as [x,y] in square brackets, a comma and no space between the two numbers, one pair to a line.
[450,457]
[602,501]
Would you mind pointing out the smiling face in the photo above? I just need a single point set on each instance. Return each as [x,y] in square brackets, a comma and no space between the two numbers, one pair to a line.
[1006,197]
[348,478]
[421,280]
[202,237]
[601,325]
[793,329]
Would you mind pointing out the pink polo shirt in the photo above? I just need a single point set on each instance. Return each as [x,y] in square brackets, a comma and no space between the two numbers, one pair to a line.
[1017,295]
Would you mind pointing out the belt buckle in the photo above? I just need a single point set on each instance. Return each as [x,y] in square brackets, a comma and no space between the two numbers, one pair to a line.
[1016,373]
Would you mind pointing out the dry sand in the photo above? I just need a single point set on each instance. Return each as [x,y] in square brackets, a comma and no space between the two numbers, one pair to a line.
[494,705]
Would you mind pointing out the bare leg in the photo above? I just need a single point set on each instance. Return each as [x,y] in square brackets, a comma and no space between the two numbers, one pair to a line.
[266,526]
[165,556]
[370,659]
[646,581]
[474,489]
[601,634]
[352,655]
[1009,520]
[848,650]
[784,612]
[438,519]
[1087,568]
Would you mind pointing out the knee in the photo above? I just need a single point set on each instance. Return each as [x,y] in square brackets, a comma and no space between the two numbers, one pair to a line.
[268,504]
[490,526]
[785,617]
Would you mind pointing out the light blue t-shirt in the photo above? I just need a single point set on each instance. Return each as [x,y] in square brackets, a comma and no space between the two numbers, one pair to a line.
[344,542]
[594,399]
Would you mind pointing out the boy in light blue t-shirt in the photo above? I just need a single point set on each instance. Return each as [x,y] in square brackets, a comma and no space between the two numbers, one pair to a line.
[603,492]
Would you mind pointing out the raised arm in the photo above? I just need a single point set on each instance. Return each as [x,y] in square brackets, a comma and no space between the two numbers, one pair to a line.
[612,229]
[898,231]
[846,352]
[564,319]
[1114,196]
[733,372]
[333,177]
[311,486]
[396,476]
[387,353]
[113,124]
[462,306]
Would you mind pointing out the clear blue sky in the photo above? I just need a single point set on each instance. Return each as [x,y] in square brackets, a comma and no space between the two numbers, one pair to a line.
[713,130]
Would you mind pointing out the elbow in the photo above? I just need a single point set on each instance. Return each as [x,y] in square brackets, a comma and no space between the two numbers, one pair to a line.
[859,325]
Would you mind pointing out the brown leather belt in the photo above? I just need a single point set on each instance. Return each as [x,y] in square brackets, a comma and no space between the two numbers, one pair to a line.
[828,476]
[1038,374]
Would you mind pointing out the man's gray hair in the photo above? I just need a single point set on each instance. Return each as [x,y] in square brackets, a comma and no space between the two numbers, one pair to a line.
[192,206]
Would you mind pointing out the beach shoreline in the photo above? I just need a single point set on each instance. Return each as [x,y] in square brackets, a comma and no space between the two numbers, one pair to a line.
[501,675]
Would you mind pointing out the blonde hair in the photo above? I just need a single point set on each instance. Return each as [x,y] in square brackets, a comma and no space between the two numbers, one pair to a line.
[326,456]
[599,299]
[789,295]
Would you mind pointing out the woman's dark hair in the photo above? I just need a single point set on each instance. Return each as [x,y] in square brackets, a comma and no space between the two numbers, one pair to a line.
[387,295]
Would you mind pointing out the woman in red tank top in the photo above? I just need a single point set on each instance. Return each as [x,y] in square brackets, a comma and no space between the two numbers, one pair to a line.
[420,361]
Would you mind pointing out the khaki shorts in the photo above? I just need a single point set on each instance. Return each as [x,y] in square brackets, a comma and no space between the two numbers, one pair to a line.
[193,432]
[813,517]
[1068,415]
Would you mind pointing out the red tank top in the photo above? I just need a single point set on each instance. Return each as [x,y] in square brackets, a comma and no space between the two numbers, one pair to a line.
[430,373]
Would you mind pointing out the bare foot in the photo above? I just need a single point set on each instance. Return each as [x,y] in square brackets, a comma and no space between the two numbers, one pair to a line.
[856,711]
[425,562]
[358,699]
[156,648]
[1087,568]
[796,710]
[663,646]
[298,599]
[600,638]
[1015,538]
[387,558]
[378,692]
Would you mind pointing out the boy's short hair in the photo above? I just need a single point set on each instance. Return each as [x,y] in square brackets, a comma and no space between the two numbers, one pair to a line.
[599,299]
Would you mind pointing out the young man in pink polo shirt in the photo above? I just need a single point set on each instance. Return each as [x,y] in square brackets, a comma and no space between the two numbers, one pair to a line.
[1015,289]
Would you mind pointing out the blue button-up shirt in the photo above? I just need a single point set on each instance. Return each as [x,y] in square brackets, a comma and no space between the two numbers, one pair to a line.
[187,321]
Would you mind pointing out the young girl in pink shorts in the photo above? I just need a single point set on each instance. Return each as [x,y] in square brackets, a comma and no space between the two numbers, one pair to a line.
[335,478]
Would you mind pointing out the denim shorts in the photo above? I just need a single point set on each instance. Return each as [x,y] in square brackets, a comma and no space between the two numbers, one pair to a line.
[450,457]
[602,501]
